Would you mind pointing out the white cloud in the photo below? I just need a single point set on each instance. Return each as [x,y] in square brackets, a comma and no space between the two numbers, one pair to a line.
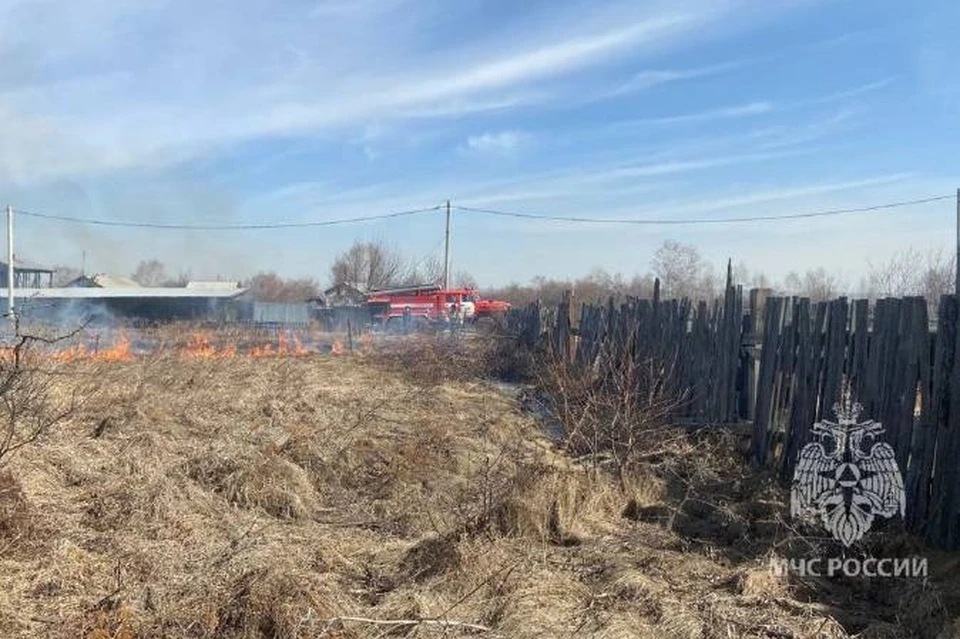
[497,143]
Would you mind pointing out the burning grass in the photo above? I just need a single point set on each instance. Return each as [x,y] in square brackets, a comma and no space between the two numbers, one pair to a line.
[192,342]
[334,497]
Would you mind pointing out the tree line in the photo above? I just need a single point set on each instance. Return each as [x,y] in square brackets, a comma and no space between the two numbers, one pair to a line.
[684,272]
[365,266]
[681,269]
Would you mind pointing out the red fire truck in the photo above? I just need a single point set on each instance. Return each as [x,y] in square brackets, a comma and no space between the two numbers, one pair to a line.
[431,305]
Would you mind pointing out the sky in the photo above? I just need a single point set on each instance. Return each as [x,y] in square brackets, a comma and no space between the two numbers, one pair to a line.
[259,112]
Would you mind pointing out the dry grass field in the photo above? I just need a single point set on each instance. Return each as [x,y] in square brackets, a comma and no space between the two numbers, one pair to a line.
[327,496]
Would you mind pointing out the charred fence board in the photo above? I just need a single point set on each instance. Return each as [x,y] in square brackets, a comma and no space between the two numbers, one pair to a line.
[779,365]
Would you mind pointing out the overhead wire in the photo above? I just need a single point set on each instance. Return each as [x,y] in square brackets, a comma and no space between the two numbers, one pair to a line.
[482,211]
[223,227]
[708,220]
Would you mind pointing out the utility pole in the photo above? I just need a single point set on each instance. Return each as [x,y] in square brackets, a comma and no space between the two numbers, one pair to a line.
[956,283]
[10,262]
[446,249]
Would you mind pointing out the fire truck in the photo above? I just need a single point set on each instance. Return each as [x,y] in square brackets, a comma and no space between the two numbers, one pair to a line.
[430,305]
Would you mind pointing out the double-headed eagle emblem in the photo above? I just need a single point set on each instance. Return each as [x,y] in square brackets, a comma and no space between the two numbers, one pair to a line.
[846,484]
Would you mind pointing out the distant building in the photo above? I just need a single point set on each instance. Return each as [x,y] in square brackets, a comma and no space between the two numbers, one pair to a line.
[101,280]
[27,274]
[74,304]
[343,294]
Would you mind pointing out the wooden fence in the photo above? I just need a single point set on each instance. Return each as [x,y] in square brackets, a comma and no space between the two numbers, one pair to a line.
[778,364]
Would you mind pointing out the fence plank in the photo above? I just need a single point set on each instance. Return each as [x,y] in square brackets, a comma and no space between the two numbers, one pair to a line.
[782,364]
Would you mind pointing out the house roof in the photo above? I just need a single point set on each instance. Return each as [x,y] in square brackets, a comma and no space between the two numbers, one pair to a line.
[343,287]
[218,285]
[113,281]
[28,265]
[143,292]
[102,280]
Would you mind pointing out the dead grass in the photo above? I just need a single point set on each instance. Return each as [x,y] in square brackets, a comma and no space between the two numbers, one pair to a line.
[335,497]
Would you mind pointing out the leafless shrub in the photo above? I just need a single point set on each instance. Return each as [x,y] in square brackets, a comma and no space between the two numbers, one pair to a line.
[617,411]
[29,407]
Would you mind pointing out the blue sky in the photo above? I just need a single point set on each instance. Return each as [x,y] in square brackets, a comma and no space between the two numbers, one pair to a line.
[257,111]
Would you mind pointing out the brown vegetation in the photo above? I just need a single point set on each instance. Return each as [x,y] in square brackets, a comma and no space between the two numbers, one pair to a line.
[270,287]
[358,497]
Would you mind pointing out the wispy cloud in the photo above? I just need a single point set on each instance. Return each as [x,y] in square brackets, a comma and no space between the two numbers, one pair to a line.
[500,143]
[545,61]
[303,98]
[673,167]
[850,93]
[745,200]
[723,113]
[650,78]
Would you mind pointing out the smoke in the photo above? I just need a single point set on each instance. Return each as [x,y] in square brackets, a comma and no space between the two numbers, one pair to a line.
[66,315]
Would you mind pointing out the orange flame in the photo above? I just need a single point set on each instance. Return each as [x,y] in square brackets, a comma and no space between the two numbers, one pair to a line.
[119,352]
[79,351]
[201,345]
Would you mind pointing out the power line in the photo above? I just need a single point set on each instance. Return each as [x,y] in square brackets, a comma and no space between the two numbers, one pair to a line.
[223,227]
[513,214]
[720,220]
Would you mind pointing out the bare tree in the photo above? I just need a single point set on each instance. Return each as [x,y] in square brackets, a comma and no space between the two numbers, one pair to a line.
[181,280]
[425,271]
[743,275]
[683,272]
[911,272]
[820,285]
[640,286]
[150,273]
[368,265]
[270,287]
[792,283]
[597,285]
[464,279]
[939,276]
[817,284]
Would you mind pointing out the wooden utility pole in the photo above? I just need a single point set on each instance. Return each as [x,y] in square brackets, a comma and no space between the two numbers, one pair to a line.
[446,251]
